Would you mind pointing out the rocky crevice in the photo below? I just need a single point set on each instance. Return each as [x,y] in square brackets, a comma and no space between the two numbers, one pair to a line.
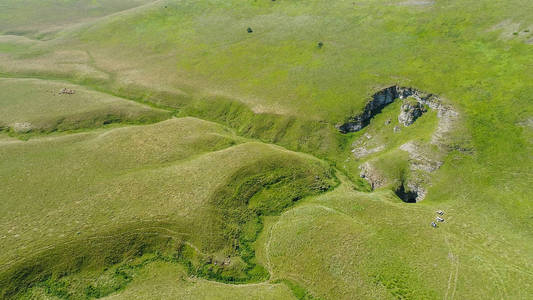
[371,175]
[411,110]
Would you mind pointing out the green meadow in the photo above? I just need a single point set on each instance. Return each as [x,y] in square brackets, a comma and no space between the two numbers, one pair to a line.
[179,149]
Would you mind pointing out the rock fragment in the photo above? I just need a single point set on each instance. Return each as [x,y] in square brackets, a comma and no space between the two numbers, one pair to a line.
[410,111]
[65,91]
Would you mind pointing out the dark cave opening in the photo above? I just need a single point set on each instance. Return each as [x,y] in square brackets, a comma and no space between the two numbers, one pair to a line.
[406,196]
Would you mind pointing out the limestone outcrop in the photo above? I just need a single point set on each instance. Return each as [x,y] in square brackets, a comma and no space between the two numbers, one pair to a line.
[385,97]
[410,111]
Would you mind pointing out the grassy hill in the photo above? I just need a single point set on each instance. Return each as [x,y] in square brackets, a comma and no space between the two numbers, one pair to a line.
[190,180]
[33,106]
[199,155]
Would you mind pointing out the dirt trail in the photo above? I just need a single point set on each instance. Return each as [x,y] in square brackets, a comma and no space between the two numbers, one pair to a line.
[454,271]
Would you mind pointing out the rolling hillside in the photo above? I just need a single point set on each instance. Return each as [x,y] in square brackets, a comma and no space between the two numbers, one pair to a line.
[266,149]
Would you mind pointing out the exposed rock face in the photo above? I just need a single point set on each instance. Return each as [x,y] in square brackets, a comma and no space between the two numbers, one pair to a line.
[360,152]
[527,123]
[371,175]
[410,191]
[417,190]
[374,106]
[23,127]
[422,162]
[419,160]
[448,117]
[65,91]
[380,100]
[361,149]
[414,193]
[410,111]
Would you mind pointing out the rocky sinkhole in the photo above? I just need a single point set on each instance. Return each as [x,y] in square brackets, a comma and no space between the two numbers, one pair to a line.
[413,108]
[423,158]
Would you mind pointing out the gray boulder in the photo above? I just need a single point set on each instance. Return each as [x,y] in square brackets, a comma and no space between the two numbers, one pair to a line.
[410,111]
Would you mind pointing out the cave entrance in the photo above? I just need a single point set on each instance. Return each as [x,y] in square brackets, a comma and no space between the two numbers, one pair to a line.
[406,196]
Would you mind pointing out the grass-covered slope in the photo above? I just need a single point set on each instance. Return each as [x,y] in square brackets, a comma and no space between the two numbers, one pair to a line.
[347,243]
[172,52]
[171,282]
[280,68]
[38,18]
[189,187]
[35,106]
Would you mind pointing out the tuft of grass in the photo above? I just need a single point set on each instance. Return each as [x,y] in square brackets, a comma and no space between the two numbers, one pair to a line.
[299,292]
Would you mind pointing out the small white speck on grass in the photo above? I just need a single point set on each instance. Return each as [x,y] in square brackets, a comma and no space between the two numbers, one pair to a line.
[416,3]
